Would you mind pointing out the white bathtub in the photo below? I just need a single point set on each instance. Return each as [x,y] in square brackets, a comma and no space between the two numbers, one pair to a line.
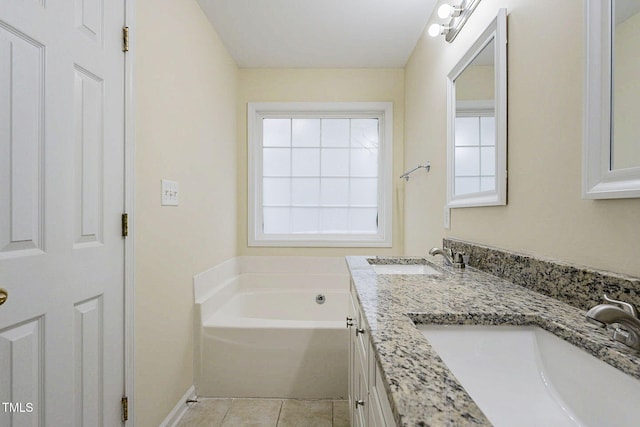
[260,332]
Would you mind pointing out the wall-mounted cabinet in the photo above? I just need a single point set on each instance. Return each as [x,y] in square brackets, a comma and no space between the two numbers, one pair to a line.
[368,401]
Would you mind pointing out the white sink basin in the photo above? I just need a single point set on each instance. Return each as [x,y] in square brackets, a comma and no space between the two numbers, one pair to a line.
[525,376]
[404,269]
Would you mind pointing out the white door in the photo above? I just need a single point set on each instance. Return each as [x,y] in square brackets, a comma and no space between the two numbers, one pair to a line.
[61,200]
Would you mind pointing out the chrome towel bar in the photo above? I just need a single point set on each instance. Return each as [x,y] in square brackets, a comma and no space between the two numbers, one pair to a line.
[426,166]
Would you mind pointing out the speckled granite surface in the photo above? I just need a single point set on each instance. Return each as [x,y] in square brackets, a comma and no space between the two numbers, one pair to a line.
[421,389]
[578,286]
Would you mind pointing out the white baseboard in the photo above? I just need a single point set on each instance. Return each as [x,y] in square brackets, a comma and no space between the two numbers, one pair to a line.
[179,410]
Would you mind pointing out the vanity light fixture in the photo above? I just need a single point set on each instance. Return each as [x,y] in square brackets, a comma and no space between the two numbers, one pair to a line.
[454,17]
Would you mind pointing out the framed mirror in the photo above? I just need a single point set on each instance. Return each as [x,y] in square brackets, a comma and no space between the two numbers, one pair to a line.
[611,149]
[477,121]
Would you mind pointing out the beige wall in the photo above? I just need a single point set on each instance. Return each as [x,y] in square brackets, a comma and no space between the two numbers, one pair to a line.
[476,83]
[545,214]
[186,131]
[320,85]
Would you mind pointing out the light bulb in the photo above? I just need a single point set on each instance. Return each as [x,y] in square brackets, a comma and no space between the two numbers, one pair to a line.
[434,30]
[448,11]
[445,10]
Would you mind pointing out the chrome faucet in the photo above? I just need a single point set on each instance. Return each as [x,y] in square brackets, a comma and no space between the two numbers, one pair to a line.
[620,313]
[451,257]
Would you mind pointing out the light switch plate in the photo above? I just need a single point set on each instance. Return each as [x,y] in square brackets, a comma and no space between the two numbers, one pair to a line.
[170,193]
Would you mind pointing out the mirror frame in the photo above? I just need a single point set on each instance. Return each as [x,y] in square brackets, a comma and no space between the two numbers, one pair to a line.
[598,180]
[496,31]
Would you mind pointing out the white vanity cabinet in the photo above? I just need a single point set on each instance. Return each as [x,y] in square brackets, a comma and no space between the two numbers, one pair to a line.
[368,401]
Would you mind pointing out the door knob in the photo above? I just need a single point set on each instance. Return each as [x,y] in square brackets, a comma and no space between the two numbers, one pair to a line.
[3,295]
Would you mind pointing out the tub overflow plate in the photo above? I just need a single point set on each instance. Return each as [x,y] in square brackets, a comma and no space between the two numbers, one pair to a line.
[320,299]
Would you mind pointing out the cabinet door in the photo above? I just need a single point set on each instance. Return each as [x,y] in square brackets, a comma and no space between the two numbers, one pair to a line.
[358,369]
[380,414]
[361,405]
[352,360]
[376,417]
[385,406]
[368,402]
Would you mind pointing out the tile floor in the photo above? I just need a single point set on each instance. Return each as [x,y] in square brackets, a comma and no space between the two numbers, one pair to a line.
[267,413]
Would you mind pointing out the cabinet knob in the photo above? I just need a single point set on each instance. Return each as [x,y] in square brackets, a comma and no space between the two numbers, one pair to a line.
[3,295]
[349,322]
[359,403]
[359,331]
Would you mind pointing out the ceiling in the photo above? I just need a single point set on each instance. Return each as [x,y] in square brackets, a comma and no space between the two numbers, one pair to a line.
[319,33]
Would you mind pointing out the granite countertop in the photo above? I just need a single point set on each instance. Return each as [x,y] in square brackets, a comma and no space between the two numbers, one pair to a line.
[421,389]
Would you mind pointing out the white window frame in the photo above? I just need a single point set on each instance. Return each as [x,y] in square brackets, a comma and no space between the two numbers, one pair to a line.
[257,111]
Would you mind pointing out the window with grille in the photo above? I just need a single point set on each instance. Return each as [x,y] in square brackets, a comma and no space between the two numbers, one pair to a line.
[475,149]
[319,174]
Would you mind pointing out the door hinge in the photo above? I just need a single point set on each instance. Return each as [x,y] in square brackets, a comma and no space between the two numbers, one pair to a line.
[125,39]
[125,224]
[125,408]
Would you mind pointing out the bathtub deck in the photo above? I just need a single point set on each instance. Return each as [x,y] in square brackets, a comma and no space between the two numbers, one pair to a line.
[267,413]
